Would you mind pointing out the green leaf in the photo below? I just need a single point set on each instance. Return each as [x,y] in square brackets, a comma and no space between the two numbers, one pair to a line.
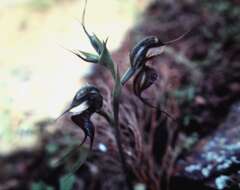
[41,186]
[83,155]
[68,153]
[100,47]
[85,56]
[94,40]
[106,60]
[97,44]
[67,182]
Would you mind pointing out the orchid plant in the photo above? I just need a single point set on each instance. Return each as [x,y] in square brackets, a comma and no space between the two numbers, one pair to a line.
[143,76]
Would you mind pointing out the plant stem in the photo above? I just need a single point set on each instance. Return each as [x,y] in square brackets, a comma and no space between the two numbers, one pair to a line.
[116,95]
[114,122]
[122,156]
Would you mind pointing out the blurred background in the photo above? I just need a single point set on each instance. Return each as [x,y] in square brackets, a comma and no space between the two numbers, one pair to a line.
[38,77]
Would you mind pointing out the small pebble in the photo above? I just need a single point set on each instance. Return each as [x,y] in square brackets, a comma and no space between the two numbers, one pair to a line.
[102,147]
[222,182]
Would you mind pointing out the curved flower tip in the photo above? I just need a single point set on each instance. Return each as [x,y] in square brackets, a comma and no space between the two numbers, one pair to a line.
[87,127]
[143,80]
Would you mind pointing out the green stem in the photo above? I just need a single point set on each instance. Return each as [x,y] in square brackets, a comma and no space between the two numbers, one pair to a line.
[113,120]
[116,95]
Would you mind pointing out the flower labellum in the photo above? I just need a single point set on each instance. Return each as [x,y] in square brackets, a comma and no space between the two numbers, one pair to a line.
[143,80]
[87,127]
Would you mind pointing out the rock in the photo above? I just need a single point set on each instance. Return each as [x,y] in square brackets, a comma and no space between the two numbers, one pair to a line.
[215,161]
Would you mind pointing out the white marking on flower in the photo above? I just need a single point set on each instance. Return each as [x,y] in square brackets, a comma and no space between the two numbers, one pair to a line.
[80,108]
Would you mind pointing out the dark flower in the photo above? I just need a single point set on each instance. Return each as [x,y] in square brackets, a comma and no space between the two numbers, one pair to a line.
[143,80]
[87,101]
[138,55]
